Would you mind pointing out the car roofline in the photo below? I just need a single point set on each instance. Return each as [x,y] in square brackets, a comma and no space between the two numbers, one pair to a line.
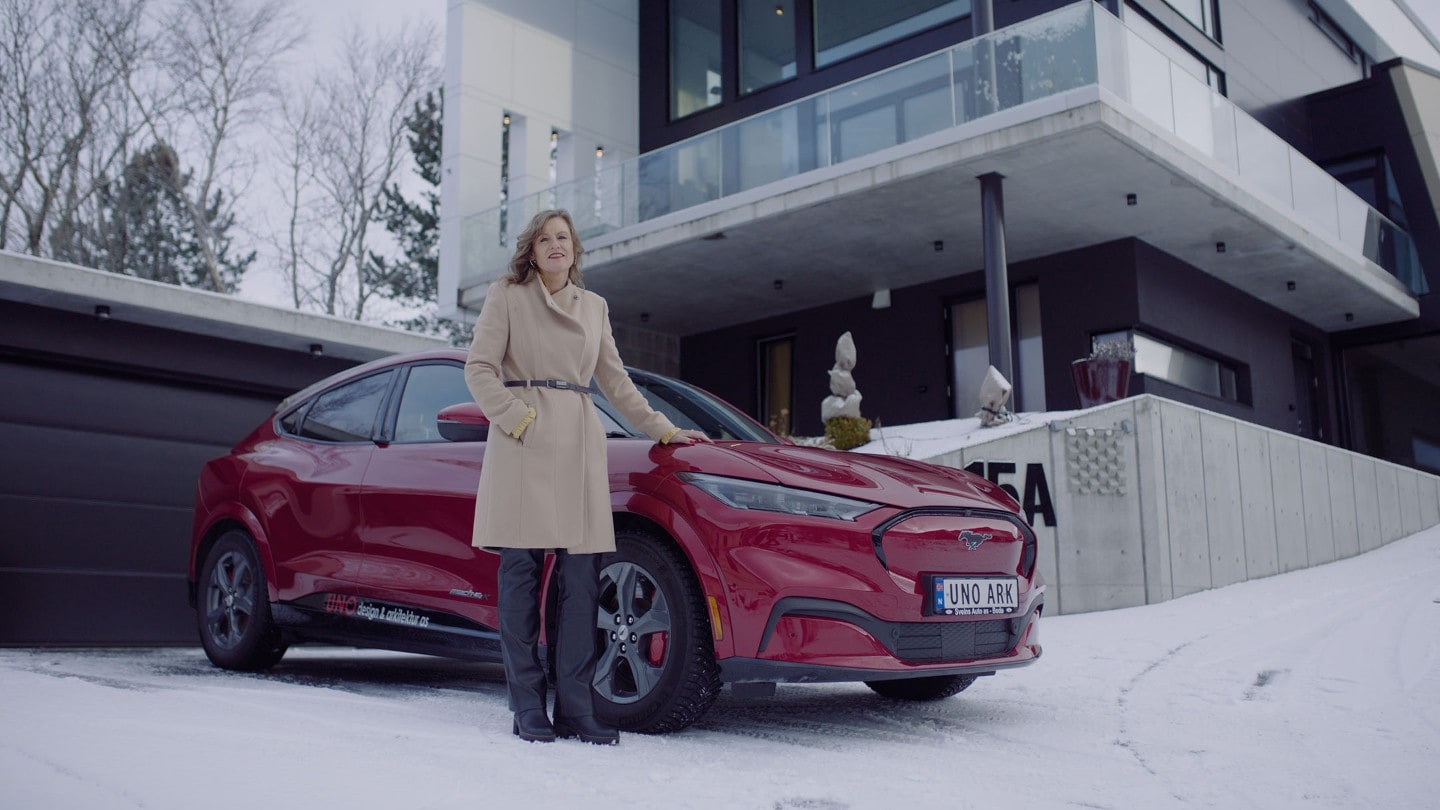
[363,369]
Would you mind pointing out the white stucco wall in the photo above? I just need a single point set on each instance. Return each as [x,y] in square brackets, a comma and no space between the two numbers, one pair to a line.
[570,65]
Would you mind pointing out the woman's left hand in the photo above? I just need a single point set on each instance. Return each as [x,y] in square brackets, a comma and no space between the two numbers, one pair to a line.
[689,437]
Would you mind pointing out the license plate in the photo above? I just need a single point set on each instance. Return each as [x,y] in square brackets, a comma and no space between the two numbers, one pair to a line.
[974,596]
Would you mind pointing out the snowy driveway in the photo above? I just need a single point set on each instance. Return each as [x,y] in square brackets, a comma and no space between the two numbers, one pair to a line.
[1314,689]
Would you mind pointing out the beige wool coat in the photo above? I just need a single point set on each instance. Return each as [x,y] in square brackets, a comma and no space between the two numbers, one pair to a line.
[550,487]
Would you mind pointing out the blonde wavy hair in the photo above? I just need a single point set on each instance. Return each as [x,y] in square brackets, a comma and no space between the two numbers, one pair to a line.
[522,263]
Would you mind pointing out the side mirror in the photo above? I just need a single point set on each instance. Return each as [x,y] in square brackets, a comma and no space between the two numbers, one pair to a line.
[463,422]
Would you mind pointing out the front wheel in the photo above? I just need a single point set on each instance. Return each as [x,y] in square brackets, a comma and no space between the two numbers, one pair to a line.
[937,687]
[234,607]
[656,671]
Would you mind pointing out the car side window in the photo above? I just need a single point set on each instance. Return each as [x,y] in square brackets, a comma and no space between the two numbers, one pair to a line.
[347,413]
[430,389]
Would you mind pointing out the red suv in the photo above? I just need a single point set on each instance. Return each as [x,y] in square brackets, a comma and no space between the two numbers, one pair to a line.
[346,518]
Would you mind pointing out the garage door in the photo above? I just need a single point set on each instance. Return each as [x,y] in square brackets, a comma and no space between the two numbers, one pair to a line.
[96,496]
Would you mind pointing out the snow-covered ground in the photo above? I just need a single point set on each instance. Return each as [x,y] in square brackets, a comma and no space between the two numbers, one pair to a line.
[926,440]
[1314,689]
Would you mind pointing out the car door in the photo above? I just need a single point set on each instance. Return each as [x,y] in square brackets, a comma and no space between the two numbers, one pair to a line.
[419,506]
[305,485]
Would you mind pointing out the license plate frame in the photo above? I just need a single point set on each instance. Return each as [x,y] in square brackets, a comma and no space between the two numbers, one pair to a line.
[971,595]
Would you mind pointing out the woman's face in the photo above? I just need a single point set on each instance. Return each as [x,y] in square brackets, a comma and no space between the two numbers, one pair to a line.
[554,249]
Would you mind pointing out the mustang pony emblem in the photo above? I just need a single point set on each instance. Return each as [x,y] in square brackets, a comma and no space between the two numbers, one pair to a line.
[972,540]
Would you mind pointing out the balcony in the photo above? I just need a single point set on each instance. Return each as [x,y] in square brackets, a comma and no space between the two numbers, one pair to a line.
[845,191]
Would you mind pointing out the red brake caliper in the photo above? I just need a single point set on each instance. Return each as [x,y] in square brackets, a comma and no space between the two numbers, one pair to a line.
[656,654]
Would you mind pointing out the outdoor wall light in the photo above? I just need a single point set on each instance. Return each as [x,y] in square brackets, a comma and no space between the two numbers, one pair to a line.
[102,311]
[1349,316]
[779,11]
[939,245]
[644,317]
[1131,199]
[599,151]
[779,283]
[1290,285]
[317,350]
[506,120]
[1219,247]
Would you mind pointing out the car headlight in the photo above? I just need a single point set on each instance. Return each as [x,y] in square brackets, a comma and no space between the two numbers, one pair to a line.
[753,495]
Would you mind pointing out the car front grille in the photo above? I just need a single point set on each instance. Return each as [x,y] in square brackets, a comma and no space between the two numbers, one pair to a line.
[948,640]
[916,642]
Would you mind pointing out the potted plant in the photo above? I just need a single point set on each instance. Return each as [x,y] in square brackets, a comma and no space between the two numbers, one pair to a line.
[1104,376]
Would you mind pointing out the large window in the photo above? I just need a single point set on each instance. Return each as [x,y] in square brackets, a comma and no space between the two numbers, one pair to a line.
[767,43]
[1342,40]
[844,28]
[1200,13]
[1178,53]
[970,353]
[695,74]
[1178,366]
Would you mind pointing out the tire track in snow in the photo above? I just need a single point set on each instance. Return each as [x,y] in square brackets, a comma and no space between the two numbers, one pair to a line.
[1122,703]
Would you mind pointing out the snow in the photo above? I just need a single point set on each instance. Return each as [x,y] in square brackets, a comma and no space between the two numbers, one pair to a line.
[926,440]
[1318,688]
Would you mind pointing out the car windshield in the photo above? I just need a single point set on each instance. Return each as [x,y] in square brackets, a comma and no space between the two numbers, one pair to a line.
[688,408]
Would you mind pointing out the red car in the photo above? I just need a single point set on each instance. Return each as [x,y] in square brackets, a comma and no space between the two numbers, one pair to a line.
[346,518]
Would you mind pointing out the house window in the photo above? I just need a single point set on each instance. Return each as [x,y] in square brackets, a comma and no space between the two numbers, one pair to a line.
[1342,40]
[1177,52]
[1178,366]
[767,43]
[1200,13]
[695,78]
[970,353]
[777,383]
[844,28]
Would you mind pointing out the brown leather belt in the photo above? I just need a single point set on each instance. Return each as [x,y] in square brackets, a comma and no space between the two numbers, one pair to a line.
[559,385]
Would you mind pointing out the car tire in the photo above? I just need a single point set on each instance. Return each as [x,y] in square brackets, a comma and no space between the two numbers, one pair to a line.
[937,687]
[232,607]
[659,674]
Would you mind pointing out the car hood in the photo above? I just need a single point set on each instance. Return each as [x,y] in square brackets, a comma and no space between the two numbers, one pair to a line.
[879,479]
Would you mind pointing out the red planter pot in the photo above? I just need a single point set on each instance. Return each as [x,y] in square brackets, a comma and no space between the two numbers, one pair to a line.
[1101,379]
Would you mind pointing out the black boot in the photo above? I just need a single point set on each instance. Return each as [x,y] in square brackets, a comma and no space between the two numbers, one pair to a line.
[587,728]
[532,725]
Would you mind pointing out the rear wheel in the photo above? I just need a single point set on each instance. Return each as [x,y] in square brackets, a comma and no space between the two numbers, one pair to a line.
[233,608]
[933,688]
[656,672]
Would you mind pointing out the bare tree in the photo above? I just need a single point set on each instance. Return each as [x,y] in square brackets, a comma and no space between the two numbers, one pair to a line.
[295,180]
[356,148]
[220,57]
[64,122]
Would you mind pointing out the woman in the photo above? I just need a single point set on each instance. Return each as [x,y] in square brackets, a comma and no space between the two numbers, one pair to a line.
[539,341]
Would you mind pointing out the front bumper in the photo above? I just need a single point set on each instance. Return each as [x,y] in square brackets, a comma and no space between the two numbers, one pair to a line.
[817,640]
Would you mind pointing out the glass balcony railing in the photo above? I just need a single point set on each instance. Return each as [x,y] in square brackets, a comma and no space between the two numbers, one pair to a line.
[1073,47]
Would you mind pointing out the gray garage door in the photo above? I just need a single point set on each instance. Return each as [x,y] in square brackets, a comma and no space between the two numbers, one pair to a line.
[97,489]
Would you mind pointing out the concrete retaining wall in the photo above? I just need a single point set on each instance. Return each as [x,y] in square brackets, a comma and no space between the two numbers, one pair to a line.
[1144,500]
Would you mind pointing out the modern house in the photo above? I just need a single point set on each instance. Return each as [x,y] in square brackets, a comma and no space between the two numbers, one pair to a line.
[1244,190]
